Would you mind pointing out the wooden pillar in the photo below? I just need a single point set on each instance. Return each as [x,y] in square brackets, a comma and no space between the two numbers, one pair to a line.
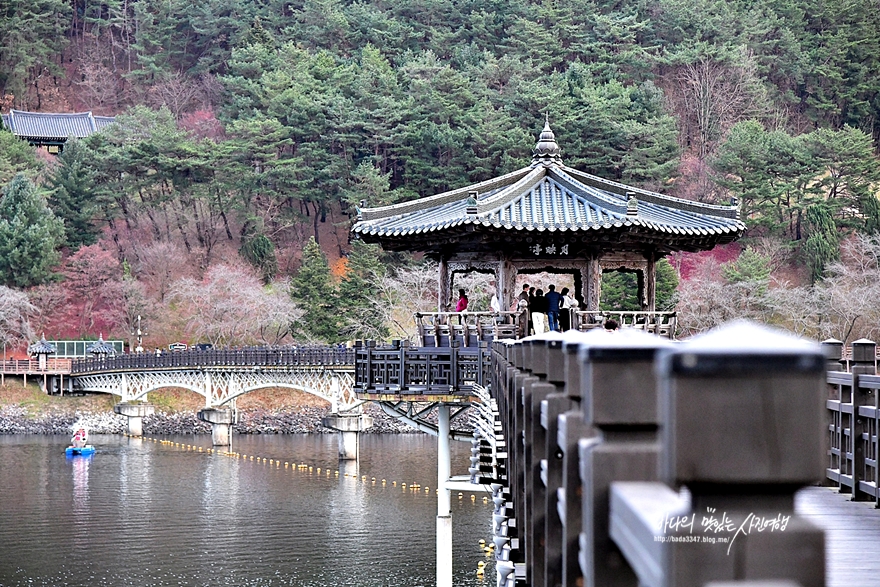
[592,284]
[640,288]
[505,282]
[443,284]
[651,282]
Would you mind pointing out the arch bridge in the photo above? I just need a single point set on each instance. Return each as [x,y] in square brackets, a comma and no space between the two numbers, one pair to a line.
[220,376]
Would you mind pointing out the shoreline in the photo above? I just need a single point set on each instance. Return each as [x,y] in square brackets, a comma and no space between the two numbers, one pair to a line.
[16,419]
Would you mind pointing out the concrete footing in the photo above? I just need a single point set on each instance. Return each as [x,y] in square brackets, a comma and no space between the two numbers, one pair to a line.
[349,426]
[221,420]
[135,414]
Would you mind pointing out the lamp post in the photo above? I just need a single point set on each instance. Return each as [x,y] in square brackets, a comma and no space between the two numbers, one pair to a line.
[140,336]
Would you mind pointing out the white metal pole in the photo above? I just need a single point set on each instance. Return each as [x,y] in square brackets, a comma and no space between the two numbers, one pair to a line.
[444,510]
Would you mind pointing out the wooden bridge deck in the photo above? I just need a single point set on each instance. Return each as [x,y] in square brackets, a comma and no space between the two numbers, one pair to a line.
[852,535]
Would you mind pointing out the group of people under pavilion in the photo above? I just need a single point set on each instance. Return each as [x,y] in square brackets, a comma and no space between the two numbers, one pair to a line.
[548,218]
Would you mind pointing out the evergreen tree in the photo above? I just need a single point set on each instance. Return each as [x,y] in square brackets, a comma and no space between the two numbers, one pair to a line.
[358,293]
[750,267]
[72,198]
[620,289]
[871,212]
[666,285]
[29,235]
[823,244]
[16,156]
[312,289]
[259,250]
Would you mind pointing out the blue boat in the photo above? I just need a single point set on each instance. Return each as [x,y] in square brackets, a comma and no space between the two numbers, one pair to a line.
[73,451]
[78,446]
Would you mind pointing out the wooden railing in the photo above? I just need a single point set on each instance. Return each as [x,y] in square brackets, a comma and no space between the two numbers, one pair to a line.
[398,369]
[590,439]
[32,366]
[853,420]
[660,323]
[437,329]
[312,356]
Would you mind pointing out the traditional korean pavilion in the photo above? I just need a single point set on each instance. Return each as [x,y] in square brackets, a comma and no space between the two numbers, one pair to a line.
[549,217]
[51,130]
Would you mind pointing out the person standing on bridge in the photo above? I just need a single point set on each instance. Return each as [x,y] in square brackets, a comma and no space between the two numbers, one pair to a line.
[554,301]
[495,306]
[521,307]
[462,303]
[539,312]
[566,314]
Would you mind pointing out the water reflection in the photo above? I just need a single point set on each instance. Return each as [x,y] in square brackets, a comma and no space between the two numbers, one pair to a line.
[144,513]
[80,470]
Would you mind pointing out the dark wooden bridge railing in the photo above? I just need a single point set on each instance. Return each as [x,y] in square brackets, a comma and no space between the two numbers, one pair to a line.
[853,420]
[316,356]
[402,370]
[595,433]
[437,329]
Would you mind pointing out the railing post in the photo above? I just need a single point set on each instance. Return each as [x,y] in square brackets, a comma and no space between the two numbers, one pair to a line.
[833,353]
[557,455]
[404,379]
[834,436]
[482,362]
[453,365]
[619,399]
[864,363]
[369,346]
[741,429]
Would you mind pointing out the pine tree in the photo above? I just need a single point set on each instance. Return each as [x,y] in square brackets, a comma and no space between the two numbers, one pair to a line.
[620,289]
[72,198]
[29,235]
[358,293]
[750,267]
[823,244]
[312,289]
[259,250]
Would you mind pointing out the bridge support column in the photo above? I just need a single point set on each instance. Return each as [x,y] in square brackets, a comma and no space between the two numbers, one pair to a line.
[221,420]
[349,427]
[135,414]
[444,507]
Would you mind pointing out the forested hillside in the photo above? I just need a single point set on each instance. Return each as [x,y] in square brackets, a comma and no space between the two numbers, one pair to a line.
[245,129]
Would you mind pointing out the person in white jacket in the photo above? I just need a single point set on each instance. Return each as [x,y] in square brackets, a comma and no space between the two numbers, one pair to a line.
[566,313]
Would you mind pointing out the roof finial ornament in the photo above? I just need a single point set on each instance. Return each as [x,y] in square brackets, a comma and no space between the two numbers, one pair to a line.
[632,204]
[547,150]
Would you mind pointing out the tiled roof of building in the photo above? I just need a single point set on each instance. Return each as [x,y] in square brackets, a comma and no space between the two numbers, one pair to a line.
[41,347]
[54,126]
[548,197]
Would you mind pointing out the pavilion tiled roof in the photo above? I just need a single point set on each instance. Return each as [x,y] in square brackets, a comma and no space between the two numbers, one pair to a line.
[54,126]
[100,347]
[42,347]
[549,197]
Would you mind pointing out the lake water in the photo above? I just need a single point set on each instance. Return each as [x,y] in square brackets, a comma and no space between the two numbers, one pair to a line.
[148,514]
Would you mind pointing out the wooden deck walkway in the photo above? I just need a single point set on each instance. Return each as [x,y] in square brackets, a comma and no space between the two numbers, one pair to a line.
[852,534]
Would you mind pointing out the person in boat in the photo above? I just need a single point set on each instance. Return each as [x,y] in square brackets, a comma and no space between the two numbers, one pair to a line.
[79,439]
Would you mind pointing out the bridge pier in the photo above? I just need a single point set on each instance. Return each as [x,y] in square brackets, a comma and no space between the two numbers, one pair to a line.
[444,499]
[349,427]
[135,414]
[221,420]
